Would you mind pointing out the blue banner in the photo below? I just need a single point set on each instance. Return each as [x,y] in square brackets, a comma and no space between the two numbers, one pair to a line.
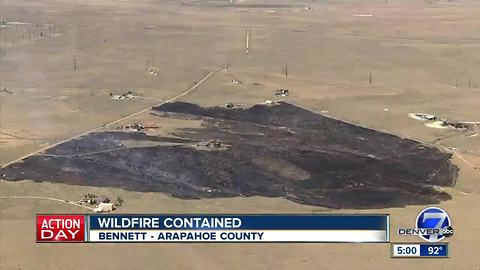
[239,222]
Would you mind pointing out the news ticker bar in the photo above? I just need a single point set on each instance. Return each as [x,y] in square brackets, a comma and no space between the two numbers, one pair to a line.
[213,228]
[419,250]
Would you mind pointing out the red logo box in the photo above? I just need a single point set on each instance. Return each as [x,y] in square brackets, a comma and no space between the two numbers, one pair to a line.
[60,228]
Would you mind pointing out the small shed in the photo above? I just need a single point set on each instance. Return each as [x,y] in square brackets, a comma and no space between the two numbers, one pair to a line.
[282,92]
[104,207]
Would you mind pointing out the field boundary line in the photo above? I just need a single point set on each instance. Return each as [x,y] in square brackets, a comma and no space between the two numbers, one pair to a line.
[48,199]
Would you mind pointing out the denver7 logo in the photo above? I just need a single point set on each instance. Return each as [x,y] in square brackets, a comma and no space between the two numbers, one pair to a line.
[433,218]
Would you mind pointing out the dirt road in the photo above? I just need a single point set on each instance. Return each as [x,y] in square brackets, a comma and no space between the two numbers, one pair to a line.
[195,86]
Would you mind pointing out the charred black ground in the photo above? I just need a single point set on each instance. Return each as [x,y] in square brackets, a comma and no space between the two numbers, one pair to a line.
[273,151]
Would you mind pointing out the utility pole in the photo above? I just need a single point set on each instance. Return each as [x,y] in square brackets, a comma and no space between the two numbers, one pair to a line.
[286,70]
[370,78]
[74,63]
[469,80]
[226,63]
[247,41]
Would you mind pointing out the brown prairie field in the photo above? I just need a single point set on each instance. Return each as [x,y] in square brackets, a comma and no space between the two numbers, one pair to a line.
[366,62]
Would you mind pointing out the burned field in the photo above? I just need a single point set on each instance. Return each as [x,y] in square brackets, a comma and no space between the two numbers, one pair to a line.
[266,150]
